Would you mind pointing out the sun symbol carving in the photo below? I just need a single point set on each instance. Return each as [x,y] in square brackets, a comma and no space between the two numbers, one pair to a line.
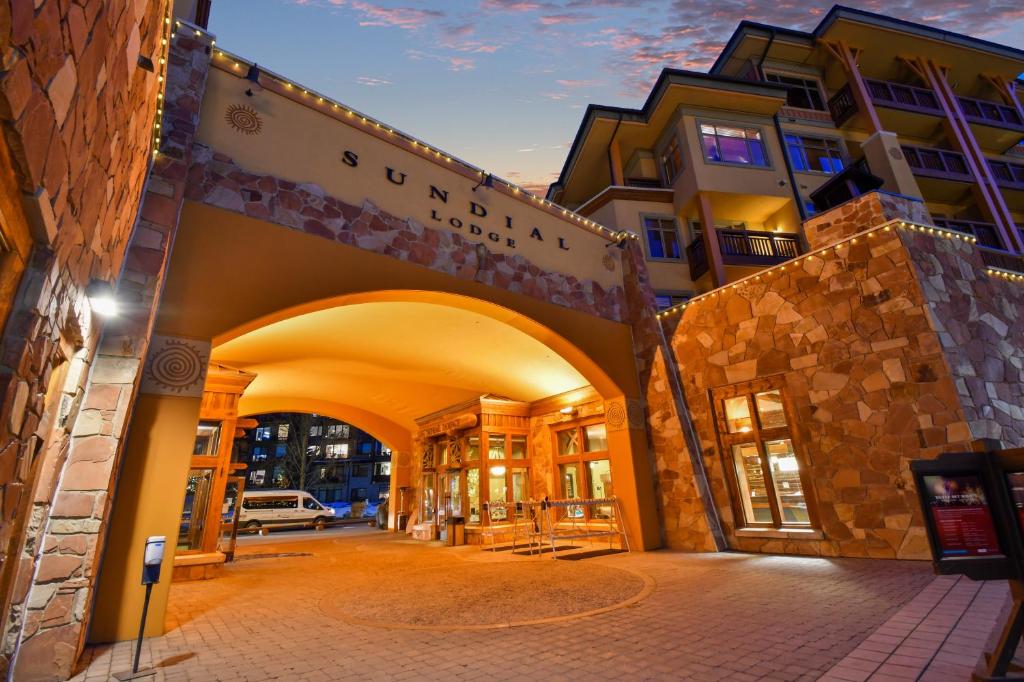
[244,119]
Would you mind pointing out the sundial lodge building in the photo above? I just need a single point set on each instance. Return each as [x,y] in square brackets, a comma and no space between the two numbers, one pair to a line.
[737,317]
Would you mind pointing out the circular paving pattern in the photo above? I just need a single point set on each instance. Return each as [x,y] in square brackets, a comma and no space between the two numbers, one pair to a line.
[426,590]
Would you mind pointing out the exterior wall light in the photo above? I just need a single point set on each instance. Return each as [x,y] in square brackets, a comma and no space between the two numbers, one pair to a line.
[569,410]
[101,298]
[253,76]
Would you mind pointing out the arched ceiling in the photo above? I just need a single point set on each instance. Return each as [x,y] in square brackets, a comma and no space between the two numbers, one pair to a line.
[398,360]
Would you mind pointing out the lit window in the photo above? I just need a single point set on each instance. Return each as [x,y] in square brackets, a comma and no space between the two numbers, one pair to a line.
[671,160]
[280,449]
[662,238]
[818,154]
[258,454]
[769,489]
[803,93]
[317,430]
[665,300]
[282,432]
[337,431]
[207,439]
[336,450]
[733,144]
[263,433]
[584,469]
[258,477]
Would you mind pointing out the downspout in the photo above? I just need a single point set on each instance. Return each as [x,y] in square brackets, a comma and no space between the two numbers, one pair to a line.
[608,152]
[782,141]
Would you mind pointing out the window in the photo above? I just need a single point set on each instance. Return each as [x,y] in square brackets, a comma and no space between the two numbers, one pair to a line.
[382,469]
[662,238]
[361,471]
[280,449]
[317,430]
[733,144]
[310,503]
[282,432]
[366,447]
[803,93]
[584,469]
[358,495]
[258,454]
[262,433]
[336,450]
[207,439]
[665,299]
[337,431]
[496,472]
[257,477]
[770,488]
[818,154]
[671,160]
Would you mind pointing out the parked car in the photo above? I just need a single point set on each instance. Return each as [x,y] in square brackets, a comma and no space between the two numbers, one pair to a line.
[282,508]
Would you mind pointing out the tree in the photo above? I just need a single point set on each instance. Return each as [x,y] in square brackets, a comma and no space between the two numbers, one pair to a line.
[299,461]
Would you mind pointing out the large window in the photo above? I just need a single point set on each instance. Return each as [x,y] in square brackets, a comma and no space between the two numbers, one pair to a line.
[803,93]
[770,485]
[671,160]
[583,467]
[662,238]
[733,144]
[336,450]
[818,154]
[498,470]
[337,431]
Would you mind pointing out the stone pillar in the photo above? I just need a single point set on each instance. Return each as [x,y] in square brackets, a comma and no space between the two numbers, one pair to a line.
[689,519]
[75,534]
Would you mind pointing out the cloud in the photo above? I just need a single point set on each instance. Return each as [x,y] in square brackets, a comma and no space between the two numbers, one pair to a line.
[516,5]
[371,81]
[573,83]
[556,96]
[557,19]
[408,18]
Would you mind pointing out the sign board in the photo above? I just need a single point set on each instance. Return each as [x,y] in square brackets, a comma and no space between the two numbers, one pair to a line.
[968,521]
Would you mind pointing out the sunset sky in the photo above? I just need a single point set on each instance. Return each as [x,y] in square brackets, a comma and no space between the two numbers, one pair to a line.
[504,83]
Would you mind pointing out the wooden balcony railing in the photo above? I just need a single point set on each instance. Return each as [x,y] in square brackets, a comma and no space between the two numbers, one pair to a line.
[937,163]
[744,247]
[1008,174]
[900,96]
[985,232]
[991,113]
[842,105]
[1004,260]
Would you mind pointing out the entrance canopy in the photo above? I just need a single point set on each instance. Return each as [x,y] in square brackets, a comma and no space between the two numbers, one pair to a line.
[392,361]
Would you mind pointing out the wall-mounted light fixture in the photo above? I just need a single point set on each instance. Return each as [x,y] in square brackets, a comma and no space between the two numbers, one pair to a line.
[254,80]
[101,298]
[569,410]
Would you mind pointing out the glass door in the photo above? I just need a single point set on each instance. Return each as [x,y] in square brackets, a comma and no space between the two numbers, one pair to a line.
[193,514]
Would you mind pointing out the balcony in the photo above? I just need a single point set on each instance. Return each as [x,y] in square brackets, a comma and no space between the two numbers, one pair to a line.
[942,164]
[1009,175]
[991,113]
[906,97]
[985,232]
[743,247]
[1004,260]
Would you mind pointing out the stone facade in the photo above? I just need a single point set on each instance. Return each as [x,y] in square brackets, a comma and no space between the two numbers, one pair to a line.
[889,347]
[216,180]
[77,114]
[860,213]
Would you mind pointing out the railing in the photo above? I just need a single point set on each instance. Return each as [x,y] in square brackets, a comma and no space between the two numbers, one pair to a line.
[1004,260]
[1008,174]
[900,96]
[644,182]
[937,163]
[743,247]
[842,105]
[985,232]
[991,113]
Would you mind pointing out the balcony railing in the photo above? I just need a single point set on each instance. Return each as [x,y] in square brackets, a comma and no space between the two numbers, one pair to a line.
[991,113]
[1004,260]
[900,96]
[743,247]
[842,105]
[937,163]
[985,232]
[1008,174]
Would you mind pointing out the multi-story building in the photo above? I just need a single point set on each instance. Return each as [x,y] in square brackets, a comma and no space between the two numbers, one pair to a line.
[717,170]
[343,463]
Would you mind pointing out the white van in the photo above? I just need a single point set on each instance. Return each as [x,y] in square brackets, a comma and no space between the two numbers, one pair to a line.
[282,508]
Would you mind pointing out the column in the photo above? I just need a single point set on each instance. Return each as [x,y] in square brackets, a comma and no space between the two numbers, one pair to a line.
[712,247]
[615,161]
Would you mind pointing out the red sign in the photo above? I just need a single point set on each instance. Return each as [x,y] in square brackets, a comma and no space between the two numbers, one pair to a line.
[963,519]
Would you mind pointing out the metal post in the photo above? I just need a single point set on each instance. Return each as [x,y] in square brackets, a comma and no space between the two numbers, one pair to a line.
[142,629]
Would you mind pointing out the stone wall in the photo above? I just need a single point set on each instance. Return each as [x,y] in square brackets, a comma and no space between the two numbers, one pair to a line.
[860,213]
[217,180]
[889,346]
[77,114]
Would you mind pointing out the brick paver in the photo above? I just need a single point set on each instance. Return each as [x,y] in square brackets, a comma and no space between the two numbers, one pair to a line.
[711,616]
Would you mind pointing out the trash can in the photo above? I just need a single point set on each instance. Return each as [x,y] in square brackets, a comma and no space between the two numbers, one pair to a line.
[455,527]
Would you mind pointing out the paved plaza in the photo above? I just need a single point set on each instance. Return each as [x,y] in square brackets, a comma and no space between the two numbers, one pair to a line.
[283,612]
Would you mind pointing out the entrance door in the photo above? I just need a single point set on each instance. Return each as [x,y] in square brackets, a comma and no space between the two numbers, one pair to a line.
[450,501]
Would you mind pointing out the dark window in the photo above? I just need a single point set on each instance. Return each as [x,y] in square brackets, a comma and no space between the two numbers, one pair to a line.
[280,450]
[819,154]
[803,93]
[733,144]
[360,471]
[366,447]
[671,160]
[310,503]
[357,495]
[665,300]
[662,238]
